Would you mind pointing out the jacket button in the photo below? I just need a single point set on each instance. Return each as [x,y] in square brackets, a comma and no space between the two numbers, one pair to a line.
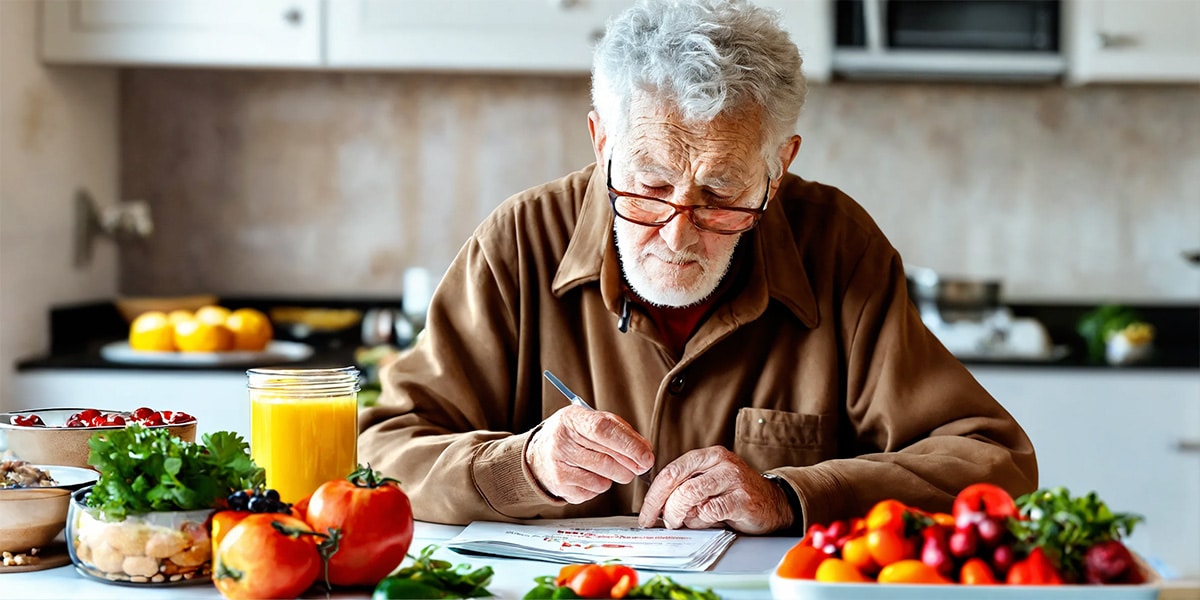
[677,384]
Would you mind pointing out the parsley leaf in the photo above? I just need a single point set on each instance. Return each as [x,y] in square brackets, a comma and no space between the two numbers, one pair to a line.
[148,470]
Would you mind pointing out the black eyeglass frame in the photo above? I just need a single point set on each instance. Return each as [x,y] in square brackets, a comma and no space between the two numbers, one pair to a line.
[757,213]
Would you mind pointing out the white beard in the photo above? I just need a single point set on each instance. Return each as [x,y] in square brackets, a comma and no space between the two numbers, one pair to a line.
[653,274]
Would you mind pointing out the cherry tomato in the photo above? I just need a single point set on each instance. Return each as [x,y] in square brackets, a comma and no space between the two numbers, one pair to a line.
[887,546]
[802,560]
[836,570]
[267,556]
[623,578]
[87,414]
[375,518]
[179,417]
[141,412]
[976,572]
[910,571]
[591,582]
[1035,569]
[28,421]
[887,514]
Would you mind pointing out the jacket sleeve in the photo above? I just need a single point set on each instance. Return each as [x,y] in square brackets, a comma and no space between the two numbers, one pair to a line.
[444,422]
[922,426]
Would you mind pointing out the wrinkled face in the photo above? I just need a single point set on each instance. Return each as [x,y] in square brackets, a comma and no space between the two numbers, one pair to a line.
[717,164]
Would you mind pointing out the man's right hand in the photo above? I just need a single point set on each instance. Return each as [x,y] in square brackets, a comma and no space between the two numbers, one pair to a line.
[578,453]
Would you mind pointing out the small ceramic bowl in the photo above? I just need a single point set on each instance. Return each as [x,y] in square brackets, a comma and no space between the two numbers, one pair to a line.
[150,549]
[31,517]
[56,444]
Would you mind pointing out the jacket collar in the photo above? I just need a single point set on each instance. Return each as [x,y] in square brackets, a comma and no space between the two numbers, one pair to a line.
[592,256]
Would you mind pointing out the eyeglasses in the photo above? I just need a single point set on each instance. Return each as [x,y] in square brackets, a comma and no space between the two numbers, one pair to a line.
[653,212]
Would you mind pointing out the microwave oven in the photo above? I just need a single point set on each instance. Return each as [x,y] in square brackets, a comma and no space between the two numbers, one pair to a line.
[949,39]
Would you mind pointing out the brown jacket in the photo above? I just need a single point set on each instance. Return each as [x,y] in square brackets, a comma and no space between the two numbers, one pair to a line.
[815,367]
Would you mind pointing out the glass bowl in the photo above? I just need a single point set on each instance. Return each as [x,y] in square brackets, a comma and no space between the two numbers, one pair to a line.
[150,549]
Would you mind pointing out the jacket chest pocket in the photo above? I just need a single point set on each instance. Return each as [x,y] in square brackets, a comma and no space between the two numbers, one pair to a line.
[767,439]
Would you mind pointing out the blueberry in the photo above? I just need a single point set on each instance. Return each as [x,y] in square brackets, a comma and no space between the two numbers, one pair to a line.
[238,500]
[259,504]
[272,495]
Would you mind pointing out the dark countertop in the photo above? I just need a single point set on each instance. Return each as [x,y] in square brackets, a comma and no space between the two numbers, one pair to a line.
[79,331]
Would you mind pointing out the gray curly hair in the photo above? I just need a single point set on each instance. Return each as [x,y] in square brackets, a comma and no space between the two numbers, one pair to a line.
[706,57]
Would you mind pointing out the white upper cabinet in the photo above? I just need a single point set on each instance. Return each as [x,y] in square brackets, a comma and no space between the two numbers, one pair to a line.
[513,35]
[540,36]
[1133,41]
[238,33]
[509,35]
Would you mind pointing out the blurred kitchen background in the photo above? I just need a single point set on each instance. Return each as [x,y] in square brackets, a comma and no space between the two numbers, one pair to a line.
[323,148]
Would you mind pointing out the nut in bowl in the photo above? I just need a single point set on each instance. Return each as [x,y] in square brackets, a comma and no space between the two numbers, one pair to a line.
[59,436]
[154,548]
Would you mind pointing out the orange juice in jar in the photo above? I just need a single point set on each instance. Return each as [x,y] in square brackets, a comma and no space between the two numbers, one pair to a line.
[303,427]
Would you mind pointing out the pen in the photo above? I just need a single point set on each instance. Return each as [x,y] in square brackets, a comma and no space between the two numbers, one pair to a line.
[580,402]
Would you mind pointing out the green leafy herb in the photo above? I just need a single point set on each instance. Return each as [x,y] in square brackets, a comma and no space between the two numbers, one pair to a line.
[428,577]
[1065,526]
[147,470]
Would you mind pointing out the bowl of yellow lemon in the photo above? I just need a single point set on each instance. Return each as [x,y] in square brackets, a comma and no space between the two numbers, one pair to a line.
[209,335]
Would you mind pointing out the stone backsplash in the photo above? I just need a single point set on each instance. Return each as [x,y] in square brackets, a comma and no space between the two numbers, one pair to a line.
[307,183]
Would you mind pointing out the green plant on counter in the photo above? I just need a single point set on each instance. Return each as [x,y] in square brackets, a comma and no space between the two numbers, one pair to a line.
[147,470]
[1100,324]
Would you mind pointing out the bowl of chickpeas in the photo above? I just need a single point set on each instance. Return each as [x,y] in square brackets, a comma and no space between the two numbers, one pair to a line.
[164,548]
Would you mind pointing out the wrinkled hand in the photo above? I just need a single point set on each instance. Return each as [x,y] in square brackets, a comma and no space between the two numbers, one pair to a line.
[578,453]
[713,487]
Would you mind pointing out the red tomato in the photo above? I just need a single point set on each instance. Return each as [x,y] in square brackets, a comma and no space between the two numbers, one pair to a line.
[376,523]
[591,582]
[623,580]
[267,556]
[983,499]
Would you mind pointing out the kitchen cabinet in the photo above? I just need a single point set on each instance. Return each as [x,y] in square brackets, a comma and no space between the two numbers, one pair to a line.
[548,36]
[218,399]
[1132,41]
[1133,437]
[514,35]
[231,33]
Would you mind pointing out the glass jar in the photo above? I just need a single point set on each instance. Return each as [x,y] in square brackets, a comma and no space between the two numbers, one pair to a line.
[164,548]
[303,426]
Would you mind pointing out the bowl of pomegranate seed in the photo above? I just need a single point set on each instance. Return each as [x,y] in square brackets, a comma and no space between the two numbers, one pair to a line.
[59,436]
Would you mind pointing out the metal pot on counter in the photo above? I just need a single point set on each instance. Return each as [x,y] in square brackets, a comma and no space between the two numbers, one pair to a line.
[949,299]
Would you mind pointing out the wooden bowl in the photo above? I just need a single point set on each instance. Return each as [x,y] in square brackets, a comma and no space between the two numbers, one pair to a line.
[131,307]
[58,445]
[31,517]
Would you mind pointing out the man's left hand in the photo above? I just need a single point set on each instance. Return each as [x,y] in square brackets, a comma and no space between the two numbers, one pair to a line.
[712,487]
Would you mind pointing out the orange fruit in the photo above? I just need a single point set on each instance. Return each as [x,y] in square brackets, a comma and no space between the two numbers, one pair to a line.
[215,315]
[251,329]
[151,331]
[178,315]
[194,335]
[857,552]
[801,562]
[887,546]
[836,570]
[910,570]
[887,514]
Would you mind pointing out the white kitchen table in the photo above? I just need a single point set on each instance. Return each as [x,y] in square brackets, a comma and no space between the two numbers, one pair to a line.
[742,573]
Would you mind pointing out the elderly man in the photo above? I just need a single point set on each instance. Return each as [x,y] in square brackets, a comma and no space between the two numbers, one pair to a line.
[744,335]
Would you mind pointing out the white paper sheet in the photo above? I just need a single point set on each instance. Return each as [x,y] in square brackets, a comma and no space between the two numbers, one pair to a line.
[590,540]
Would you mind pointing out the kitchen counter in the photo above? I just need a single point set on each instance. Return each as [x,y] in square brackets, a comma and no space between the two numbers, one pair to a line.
[740,573]
[78,332]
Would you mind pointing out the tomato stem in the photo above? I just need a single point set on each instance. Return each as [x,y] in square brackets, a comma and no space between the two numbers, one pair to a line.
[365,477]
